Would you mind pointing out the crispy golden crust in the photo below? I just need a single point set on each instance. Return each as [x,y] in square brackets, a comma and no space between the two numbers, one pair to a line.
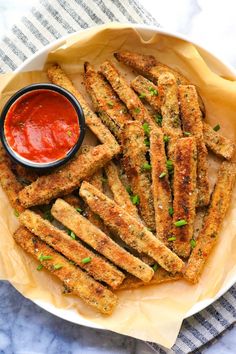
[209,234]
[24,174]
[185,196]
[99,240]
[160,185]
[171,125]
[107,104]
[149,67]
[57,76]
[120,194]
[136,108]
[9,183]
[73,200]
[192,123]
[65,180]
[98,268]
[134,160]
[160,276]
[130,230]
[148,91]
[217,143]
[74,279]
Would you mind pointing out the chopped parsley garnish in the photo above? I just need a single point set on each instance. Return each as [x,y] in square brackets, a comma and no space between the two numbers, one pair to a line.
[162,175]
[146,166]
[193,243]
[86,260]
[40,267]
[134,199]
[146,129]
[128,188]
[155,267]
[110,104]
[172,238]
[171,211]
[158,119]
[153,91]
[147,142]
[79,210]
[216,128]
[16,213]
[142,95]
[166,138]
[73,235]
[187,133]
[44,258]
[57,266]
[169,165]
[137,110]
[180,223]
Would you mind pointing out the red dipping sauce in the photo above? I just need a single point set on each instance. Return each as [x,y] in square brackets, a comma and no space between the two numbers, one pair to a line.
[42,126]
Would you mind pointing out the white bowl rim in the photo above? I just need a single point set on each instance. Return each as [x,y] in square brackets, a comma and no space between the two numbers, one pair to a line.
[199,306]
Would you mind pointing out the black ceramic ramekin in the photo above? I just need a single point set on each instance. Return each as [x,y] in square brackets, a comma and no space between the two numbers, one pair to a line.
[49,165]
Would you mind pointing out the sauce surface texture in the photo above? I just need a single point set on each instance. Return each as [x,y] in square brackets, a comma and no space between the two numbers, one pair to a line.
[42,126]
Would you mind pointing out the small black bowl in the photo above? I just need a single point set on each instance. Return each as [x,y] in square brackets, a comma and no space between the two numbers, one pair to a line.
[41,167]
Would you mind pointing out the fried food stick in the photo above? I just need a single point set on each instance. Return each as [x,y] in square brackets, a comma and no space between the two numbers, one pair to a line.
[120,194]
[149,67]
[9,183]
[160,276]
[65,180]
[185,196]
[74,279]
[107,104]
[130,230]
[98,267]
[192,123]
[160,186]
[171,125]
[217,143]
[135,166]
[136,108]
[99,241]
[57,76]
[209,234]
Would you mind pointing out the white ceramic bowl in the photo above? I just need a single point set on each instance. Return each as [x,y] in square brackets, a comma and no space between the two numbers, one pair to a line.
[36,62]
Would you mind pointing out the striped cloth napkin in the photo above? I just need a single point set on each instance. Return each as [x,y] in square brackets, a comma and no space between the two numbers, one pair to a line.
[50,20]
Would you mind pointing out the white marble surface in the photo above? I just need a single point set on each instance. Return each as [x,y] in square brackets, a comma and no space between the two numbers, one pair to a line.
[25,328]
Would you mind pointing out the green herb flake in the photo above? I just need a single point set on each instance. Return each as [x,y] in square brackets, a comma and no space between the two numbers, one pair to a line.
[216,128]
[147,142]
[57,266]
[146,166]
[171,211]
[169,165]
[172,238]
[16,213]
[193,243]
[40,267]
[86,260]
[155,267]
[162,175]
[166,139]
[158,119]
[128,189]
[142,95]
[110,104]
[44,258]
[135,199]
[146,129]
[137,110]
[48,216]
[180,223]
[72,235]
[79,210]
[153,91]
[187,133]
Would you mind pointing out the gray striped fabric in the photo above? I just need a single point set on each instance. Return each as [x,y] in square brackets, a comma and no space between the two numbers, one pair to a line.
[50,20]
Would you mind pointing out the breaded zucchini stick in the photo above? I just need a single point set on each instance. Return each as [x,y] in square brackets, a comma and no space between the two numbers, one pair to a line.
[217,143]
[120,194]
[171,125]
[57,76]
[74,279]
[107,104]
[135,166]
[149,67]
[136,108]
[213,221]
[67,179]
[148,91]
[9,183]
[185,196]
[160,185]
[99,241]
[192,123]
[130,230]
[97,267]
[160,276]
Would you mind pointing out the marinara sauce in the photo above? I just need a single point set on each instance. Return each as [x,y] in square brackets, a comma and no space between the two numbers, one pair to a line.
[42,126]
